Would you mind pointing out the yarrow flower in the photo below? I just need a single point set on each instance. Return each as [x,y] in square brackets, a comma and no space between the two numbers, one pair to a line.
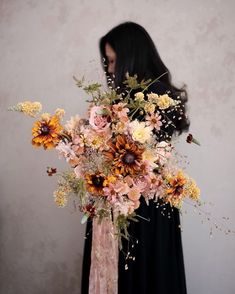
[28,108]
[61,194]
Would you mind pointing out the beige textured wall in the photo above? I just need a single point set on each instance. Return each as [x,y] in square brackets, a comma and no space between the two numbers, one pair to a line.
[43,43]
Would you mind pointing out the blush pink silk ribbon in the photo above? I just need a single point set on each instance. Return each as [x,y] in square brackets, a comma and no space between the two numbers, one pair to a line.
[104,258]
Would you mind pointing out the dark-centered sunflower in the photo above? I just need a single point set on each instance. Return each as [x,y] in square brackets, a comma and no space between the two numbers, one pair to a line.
[95,182]
[176,185]
[46,132]
[125,155]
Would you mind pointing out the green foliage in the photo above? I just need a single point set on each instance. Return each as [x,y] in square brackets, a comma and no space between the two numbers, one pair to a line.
[122,223]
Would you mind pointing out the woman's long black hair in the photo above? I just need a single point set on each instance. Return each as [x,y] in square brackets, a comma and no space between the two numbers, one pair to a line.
[137,54]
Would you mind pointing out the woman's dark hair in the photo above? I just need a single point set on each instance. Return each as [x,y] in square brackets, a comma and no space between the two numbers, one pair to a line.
[137,54]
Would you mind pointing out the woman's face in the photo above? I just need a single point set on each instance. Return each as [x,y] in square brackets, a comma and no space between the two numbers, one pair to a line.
[111,56]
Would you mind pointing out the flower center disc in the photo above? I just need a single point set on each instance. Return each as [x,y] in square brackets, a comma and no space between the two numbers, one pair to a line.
[97,181]
[45,130]
[128,158]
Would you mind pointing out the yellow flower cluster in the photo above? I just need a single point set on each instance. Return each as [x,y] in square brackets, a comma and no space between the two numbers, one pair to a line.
[192,190]
[180,187]
[29,108]
[61,195]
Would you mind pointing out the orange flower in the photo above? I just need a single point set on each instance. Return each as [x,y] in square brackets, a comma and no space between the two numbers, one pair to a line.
[96,182]
[125,155]
[176,184]
[46,132]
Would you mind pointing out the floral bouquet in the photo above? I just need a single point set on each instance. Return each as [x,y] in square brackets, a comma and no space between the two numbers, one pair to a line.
[114,154]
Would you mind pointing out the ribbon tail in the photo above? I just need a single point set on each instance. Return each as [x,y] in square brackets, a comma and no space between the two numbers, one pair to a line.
[104,258]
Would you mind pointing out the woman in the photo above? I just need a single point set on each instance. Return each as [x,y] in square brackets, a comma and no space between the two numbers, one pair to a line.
[157,266]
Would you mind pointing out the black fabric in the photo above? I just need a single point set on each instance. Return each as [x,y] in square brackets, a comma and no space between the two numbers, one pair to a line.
[157,265]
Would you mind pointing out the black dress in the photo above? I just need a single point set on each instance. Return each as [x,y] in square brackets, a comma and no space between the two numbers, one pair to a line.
[158,265]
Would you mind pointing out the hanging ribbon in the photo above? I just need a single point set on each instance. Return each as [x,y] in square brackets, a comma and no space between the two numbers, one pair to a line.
[104,258]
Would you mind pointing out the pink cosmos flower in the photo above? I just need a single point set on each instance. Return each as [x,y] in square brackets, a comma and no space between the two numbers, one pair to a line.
[121,111]
[99,118]
[154,121]
[155,182]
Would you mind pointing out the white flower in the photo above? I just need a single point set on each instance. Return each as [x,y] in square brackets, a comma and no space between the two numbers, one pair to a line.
[140,132]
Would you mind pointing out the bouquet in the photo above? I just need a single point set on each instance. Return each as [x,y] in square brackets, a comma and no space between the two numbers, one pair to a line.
[115,156]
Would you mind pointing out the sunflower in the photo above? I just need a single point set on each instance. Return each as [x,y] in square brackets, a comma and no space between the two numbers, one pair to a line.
[46,132]
[176,185]
[95,182]
[125,155]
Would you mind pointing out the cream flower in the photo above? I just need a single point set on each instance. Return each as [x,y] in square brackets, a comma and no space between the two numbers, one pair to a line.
[60,112]
[149,107]
[150,156]
[152,97]
[45,116]
[164,101]
[139,96]
[120,127]
[140,132]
